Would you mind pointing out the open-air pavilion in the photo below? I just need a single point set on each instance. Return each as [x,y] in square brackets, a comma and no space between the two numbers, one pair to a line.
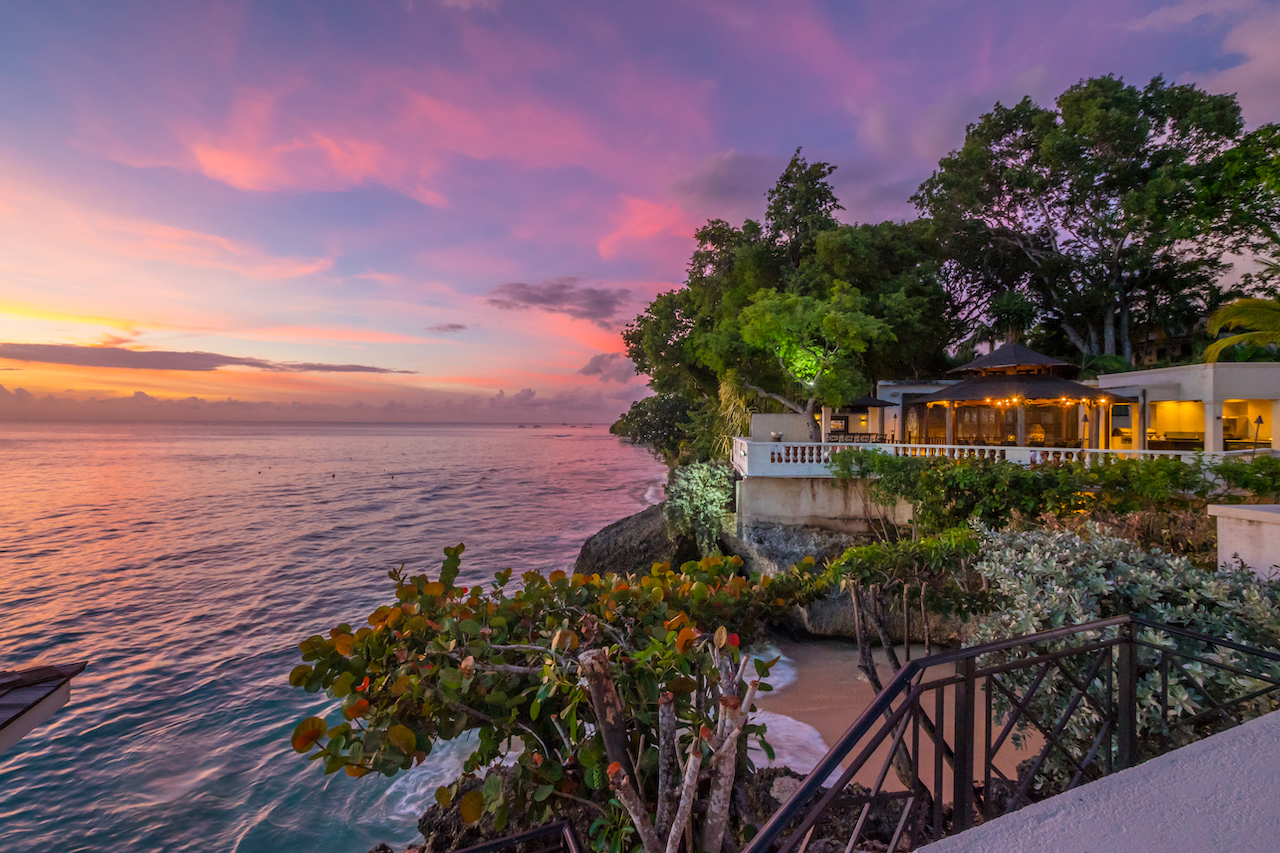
[1013,397]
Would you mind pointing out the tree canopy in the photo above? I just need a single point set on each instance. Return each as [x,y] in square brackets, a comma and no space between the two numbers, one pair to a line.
[1112,210]
[800,309]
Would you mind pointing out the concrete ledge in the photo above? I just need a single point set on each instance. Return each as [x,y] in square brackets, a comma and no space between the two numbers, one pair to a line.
[1218,794]
[1251,532]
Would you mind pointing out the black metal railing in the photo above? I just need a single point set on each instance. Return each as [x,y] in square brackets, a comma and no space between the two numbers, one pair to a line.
[553,838]
[1015,721]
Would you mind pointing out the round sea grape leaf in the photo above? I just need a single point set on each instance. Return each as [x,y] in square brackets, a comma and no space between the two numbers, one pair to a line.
[542,792]
[682,686]
[299,675]
[444,796]
[307,733]
[402,738]
[471,806]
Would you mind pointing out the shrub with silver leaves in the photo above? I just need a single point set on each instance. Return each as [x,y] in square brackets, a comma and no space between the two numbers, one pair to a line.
[1047,579]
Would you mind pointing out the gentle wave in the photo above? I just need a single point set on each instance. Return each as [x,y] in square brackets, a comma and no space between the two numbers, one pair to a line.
[185,562]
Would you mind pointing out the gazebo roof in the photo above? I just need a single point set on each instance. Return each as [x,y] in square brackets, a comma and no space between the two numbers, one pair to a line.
[1029,387]
[1010,356]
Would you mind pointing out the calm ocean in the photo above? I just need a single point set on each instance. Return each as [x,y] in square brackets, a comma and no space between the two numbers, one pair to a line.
[185,562]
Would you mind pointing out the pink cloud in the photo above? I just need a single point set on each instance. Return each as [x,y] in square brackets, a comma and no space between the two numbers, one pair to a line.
[643,220]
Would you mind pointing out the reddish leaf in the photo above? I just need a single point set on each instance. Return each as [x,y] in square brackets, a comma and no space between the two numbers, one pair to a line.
[308,732]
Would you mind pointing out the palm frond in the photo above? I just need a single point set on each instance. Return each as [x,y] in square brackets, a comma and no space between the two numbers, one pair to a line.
[1258,315]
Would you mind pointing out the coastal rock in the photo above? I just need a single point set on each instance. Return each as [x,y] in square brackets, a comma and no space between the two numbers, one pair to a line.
[772,548]
[634,544]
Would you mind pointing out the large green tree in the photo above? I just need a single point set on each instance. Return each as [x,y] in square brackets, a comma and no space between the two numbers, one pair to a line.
[815,343]
[864,301]
[1112,209]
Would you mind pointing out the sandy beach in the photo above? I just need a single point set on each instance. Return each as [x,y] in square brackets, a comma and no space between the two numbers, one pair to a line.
[830,692]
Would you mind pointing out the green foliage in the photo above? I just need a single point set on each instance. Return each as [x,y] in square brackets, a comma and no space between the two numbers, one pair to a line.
[800,298]
[944,493]
[1258,318]
[814,341]
[698,495]
[1045,580]
[443,660]
[1112,209]
[660,422]
[939,563]
[1259,475]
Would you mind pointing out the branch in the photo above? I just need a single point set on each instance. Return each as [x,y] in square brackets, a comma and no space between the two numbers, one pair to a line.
[668,763]
[480,715]
[607,707]
[783,400]
[582,800]
[621,785]
[687,794]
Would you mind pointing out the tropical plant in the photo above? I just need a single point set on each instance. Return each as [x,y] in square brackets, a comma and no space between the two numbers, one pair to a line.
[944,493]
[1043,580]
[698,496]
[660,423]
[594,685]
[1258,318]
[814,342]
[888,579]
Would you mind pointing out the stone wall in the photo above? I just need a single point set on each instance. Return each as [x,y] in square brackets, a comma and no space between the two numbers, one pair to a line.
[812,502]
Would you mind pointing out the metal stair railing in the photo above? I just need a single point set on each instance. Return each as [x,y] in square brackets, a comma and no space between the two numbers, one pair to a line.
[1066,700]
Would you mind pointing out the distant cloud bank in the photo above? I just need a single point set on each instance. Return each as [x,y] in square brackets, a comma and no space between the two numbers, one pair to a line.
[117,357]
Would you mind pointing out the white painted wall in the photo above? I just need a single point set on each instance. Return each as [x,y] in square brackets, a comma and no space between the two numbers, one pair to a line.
[792,426]
[1251,532]
[1218,794]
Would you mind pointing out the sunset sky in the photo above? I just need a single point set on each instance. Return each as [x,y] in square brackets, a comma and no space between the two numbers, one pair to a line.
[448,209]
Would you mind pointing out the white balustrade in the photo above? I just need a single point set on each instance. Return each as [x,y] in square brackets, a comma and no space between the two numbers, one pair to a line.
[810,459]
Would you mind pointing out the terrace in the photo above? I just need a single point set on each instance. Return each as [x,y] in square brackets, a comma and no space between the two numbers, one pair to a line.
[1021,406]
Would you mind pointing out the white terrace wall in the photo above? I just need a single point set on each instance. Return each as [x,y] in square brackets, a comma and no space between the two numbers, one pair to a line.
[812,502]
[792,426]
[1250,532]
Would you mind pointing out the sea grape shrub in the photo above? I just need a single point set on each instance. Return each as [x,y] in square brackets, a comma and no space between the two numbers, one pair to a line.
[1047,579]
[698,495]
[1259,475]
[945,493]
[511,665]
[936,567]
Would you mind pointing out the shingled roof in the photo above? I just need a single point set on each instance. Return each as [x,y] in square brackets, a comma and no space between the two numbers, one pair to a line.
[1029,387]
[1010,356]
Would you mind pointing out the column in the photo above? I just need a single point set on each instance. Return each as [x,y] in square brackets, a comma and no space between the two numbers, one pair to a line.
[1213,426]
[951,423]
[826,423]
[1022,424]
[1140,423]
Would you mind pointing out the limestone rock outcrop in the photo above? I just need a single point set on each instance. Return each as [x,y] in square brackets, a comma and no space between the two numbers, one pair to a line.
[634,544]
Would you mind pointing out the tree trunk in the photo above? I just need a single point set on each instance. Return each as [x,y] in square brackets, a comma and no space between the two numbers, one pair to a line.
[1109,331]
[815,428]
[1126,340]
[607,708]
